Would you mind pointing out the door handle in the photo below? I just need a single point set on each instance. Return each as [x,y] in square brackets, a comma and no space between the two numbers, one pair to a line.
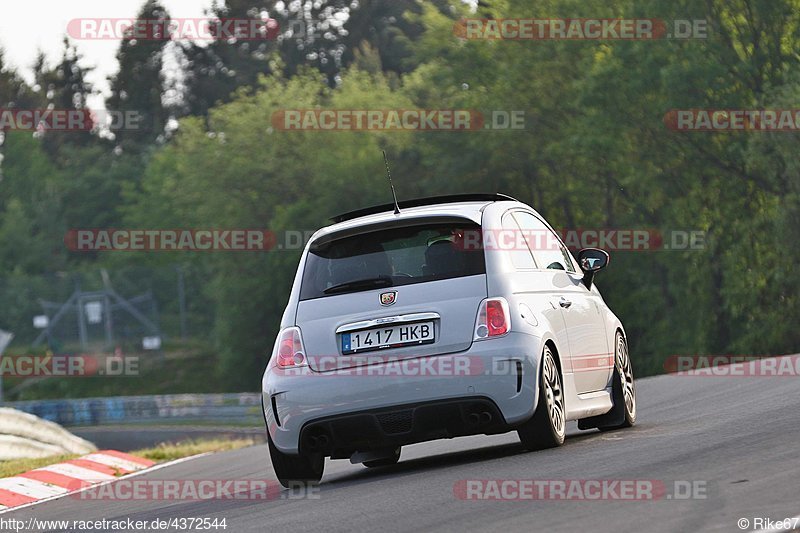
[563,302]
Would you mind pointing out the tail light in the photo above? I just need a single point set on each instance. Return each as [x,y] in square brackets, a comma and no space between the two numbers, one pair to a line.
[290,349]
[493,319]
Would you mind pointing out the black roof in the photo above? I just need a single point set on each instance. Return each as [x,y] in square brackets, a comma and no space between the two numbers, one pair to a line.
[418,202]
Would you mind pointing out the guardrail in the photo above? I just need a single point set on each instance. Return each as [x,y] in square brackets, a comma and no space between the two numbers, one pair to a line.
[230,408]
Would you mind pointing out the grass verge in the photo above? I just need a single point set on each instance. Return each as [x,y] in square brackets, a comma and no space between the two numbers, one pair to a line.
[170,452]
[18,466]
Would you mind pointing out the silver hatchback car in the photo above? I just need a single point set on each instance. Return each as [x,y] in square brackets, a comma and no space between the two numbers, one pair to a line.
[437,318]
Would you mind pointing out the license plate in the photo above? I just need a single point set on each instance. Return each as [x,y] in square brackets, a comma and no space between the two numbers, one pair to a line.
[387,337]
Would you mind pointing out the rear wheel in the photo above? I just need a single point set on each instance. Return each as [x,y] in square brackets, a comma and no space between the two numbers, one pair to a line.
[547,427]
[293,470]
[384,461]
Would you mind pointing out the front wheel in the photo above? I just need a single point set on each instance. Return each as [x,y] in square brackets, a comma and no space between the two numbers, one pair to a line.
[547,427]
[293,470]
[623,388]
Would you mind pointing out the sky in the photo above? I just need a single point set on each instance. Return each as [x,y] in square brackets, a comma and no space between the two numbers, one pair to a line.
[27,26]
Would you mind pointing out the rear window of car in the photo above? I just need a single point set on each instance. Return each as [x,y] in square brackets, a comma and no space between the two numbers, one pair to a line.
[393,257]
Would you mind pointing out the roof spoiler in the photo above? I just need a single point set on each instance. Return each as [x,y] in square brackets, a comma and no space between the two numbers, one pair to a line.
[419,202]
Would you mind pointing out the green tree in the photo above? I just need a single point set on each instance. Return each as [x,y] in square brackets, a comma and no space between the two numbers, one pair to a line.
[65,88]
[139,85]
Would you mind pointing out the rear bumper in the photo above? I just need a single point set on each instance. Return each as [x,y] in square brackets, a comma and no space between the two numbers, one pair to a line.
[379,407]
[339,436]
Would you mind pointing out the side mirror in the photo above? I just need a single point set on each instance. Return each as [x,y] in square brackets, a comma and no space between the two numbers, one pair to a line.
[592,260]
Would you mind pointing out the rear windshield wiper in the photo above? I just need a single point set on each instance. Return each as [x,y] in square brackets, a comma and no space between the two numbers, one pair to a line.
[380,281]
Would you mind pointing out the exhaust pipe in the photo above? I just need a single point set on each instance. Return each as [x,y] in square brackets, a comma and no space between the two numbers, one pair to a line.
[317,442]
[479,418]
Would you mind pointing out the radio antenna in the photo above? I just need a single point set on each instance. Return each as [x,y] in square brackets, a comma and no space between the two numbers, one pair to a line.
[389,174]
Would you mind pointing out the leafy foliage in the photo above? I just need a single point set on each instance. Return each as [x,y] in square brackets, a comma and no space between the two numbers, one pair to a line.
[594,152]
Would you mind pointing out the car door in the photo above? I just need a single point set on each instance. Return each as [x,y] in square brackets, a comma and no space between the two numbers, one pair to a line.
[534,286]
[589,354]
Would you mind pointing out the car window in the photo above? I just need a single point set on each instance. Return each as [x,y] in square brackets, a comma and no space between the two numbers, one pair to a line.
[392,257]
[547,249]
[515,243]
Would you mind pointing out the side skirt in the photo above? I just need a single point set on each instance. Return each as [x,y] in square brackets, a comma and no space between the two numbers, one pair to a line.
[590,404]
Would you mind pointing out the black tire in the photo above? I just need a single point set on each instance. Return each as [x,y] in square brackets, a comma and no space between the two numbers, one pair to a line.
[385,461]
[547,427]
[623,387]
[294,470]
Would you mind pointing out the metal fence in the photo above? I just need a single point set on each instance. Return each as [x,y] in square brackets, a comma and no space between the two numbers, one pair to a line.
[229,408]
[99,309]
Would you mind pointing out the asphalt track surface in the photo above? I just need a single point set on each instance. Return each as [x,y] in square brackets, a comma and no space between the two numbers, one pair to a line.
[736,437]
